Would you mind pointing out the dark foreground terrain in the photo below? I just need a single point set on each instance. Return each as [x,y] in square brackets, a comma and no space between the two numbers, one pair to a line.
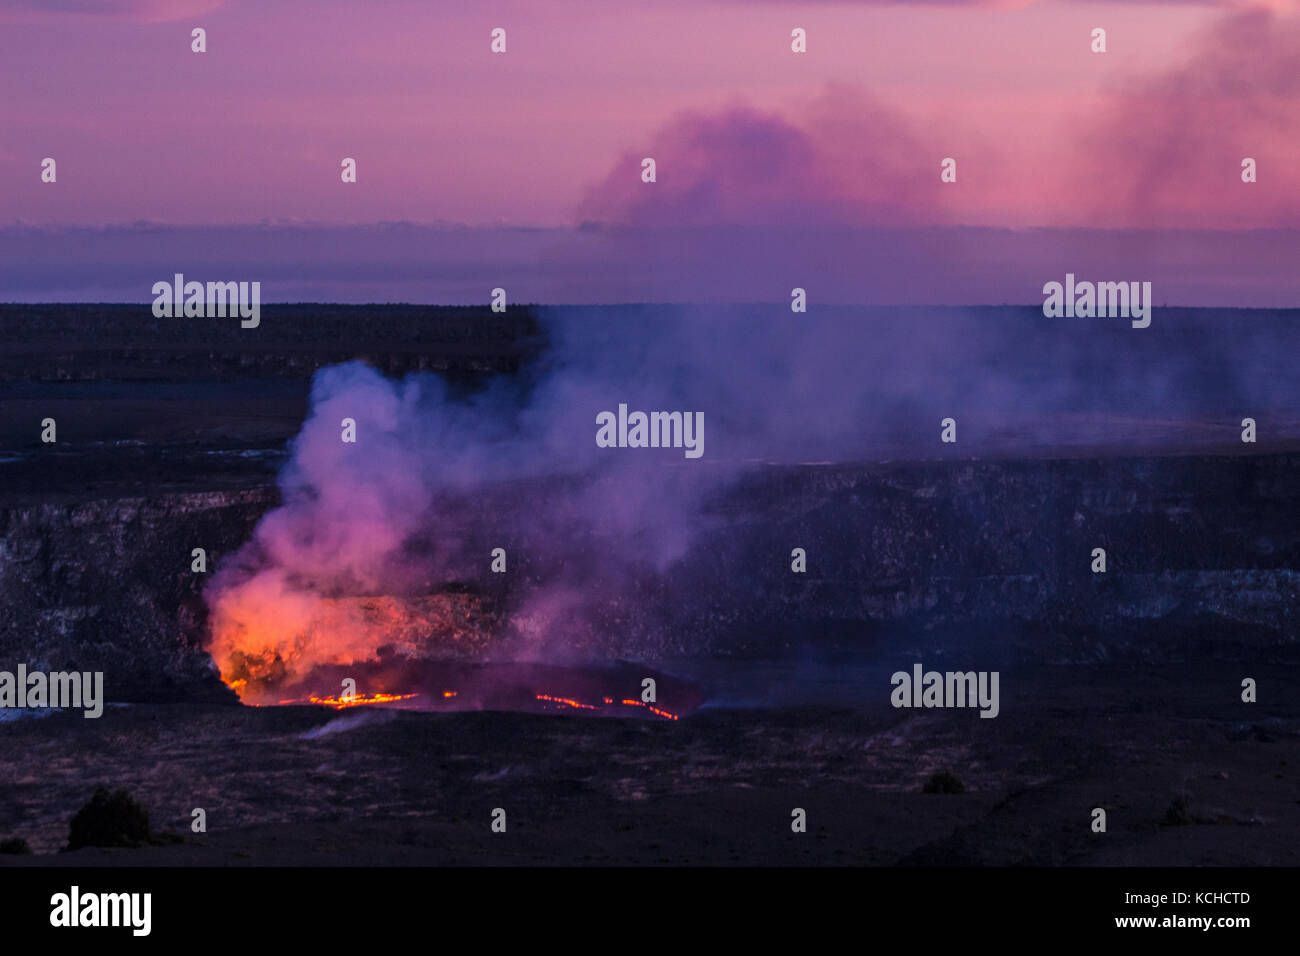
[1186,772]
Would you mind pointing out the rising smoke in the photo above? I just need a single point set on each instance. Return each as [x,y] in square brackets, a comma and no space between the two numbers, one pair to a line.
[437,479]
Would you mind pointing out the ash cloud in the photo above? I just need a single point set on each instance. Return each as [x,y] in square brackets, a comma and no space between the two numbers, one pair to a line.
[847,158]
[1152,150]
[1169,147]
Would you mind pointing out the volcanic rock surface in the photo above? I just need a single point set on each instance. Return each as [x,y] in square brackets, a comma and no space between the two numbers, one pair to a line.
[1120,690]
[987,557]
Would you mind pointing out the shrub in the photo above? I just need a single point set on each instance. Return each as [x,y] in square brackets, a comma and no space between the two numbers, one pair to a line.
[110,819]
[15,845]
[1179,813]
[943,782]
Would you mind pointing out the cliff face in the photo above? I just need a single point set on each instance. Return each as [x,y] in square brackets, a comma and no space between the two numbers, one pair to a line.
[107,585]
[1202,557]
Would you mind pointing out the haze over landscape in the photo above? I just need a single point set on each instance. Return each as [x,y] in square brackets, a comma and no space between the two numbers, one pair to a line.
[774,169]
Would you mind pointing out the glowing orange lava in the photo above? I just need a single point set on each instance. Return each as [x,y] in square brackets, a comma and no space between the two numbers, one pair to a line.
[339,703]
[649,707]
[567,701]
[358,700]
[628,702]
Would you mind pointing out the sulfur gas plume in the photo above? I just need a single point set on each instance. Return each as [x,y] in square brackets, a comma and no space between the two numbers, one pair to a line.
[382,549]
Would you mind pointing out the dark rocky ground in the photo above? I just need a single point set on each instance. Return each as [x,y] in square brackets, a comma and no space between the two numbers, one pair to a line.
[717,788]
[1120,691]
[984,561]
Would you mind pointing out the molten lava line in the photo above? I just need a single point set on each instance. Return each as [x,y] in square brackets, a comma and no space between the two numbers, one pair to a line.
[567,701]
[628,702]
[652,709]
[339,703]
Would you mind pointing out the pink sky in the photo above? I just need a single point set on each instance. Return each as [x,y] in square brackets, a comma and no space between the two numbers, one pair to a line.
[1129,160]
[443,130]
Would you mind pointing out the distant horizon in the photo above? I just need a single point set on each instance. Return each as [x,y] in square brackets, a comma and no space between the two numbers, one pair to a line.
[461,264]
[945,152]
[1036,306]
